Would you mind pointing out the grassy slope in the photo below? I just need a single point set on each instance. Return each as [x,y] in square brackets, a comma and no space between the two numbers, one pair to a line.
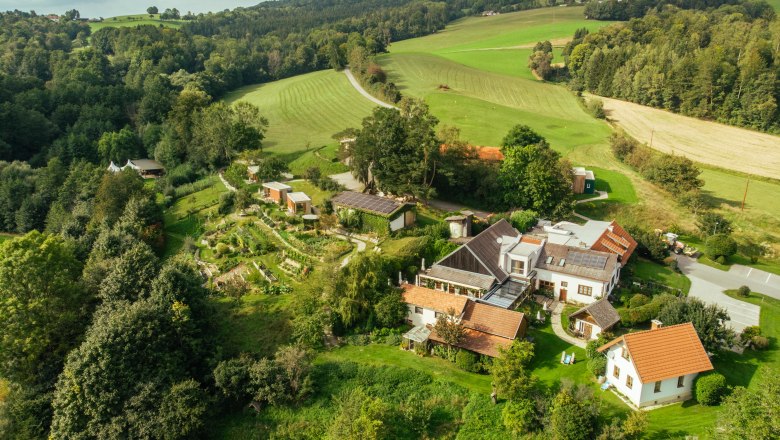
[305,109]
[178,224]
[317,195]
[134,20]
[647,270]
[258,324]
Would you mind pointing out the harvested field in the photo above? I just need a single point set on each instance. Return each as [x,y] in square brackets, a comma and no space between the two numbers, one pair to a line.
[707,142]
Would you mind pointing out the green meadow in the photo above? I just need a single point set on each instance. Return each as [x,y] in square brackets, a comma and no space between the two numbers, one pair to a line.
[306,110]
[135,20]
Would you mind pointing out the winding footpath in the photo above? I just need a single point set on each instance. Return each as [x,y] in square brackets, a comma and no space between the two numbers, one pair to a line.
[363,91]
[557,326]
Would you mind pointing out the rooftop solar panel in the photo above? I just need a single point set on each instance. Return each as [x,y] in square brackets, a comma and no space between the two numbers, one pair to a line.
[587,260]
[367,202]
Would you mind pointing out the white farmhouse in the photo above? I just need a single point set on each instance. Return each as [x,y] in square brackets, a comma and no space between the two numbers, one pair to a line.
[656,366]
[500,266]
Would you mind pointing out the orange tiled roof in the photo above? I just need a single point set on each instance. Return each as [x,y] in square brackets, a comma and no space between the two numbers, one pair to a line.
[434,299]
[492,154]
[616,240]
[665,352]
[531,240]
[493,320]
[478,342]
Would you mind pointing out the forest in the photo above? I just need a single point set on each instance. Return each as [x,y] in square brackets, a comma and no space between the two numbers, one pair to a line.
[721,64]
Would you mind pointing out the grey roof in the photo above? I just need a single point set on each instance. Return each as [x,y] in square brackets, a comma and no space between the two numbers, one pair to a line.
[298,197]
[367,202]
[277,186]
[602,312]
[462,277]
[488,250]
[505,295]
[147,164]
[455,218]
[571,266]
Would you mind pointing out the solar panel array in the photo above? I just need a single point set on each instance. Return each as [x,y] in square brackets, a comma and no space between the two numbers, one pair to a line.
[587,260]
[367,202]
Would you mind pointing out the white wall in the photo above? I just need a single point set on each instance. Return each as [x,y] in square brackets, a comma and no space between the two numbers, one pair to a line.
[572,286]
[614,357]
[669,391]
[397,223]
[595,330]
[644,394]
[427,317]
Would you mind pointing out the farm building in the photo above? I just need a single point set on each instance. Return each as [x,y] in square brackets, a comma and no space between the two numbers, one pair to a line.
[145,167]
[589,321]
[656,366]
[298,203]
[486,327]
[276,192]
[379,214]
[501,266]
[584,181]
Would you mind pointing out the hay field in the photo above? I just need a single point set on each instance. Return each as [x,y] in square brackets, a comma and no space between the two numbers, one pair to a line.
[707,142]
[135,20]
[305,109]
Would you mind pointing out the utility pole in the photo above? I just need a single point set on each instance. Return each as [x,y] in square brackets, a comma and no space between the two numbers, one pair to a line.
[745,196]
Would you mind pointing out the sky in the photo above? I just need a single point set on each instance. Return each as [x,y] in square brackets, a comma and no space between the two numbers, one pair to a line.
[111,8]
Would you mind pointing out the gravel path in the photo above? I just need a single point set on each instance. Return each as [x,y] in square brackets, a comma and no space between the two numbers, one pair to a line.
[363,91]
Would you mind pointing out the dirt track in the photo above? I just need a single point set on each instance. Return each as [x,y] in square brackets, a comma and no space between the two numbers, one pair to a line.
[702,141]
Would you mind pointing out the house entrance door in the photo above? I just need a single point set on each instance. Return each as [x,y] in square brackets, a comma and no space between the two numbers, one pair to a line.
[563,295]
[587,329]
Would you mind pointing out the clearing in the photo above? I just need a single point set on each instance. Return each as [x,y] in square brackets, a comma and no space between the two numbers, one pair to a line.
[707,142]
[305,110]
[135,20]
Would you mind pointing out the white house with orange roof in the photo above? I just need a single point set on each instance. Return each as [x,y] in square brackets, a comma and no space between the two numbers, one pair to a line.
[656,366]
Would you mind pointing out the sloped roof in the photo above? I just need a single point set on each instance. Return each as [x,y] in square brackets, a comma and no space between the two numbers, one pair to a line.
[367,202]
[147,164]
[486,248]
[493,320]
[478,342]
[665,352]
[433,299]
[559,252]
[462,277]
[617,240]
[602,313]
[493,154]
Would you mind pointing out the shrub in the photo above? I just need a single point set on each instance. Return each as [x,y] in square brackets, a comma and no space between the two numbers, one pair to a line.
[523,220]
[420,349]
[674,265]
[721,260]
[638,300]
[721,245]
[596,108]
[467,361]
[710,389]
[759,342]
[222,249]
[743,291]
[748,333]
[597,365]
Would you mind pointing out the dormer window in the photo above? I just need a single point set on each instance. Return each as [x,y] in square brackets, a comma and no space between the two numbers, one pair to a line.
[561,262]
[518,266]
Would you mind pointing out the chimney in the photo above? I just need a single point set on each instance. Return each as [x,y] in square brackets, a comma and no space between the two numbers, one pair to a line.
[656,324]
[423,265]
[400,278]
[417,280]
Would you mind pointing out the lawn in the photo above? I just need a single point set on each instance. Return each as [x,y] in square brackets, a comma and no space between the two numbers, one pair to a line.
[185,217]
[317,195]
[620,189]
[257,324]
[648,270]
[135,20]
[323,158]
[306,110]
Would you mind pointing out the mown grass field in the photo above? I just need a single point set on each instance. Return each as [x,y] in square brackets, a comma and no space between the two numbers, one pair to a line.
[305,110]
[135,20]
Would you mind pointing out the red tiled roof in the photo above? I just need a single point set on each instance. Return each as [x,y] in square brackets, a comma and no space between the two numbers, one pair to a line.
[665,352]
[478,342]
[493,320]
[492,154]
[433,299]
[616,240]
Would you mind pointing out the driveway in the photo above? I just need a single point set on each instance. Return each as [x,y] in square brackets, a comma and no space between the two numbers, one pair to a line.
[708,284]
[363,91]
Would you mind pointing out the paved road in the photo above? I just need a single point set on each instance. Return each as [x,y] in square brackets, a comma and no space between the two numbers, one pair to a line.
[708,284]
[363,92]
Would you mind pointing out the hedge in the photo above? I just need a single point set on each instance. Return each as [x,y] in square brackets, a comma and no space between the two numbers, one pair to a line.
[710,389]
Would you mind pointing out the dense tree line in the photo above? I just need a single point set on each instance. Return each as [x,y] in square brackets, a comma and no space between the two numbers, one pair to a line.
[618,10]
[720,65]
